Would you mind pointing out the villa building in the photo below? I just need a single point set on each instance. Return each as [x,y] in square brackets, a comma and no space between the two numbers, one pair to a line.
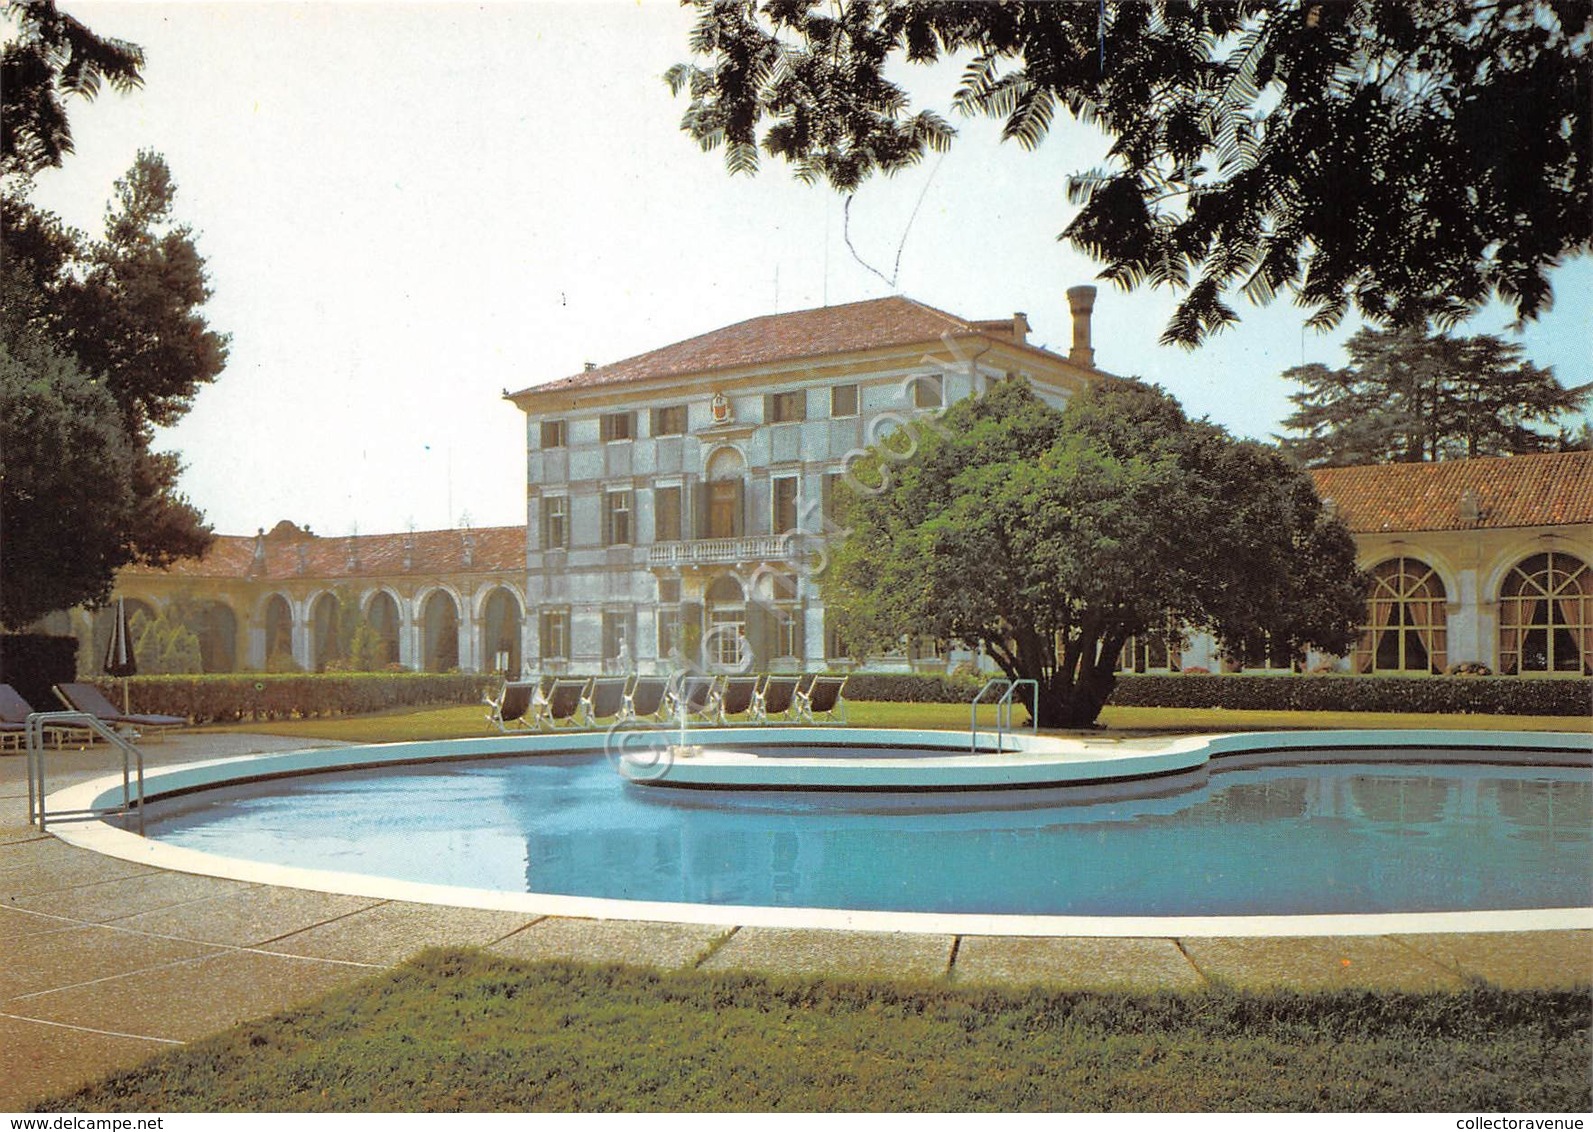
[676,500]
[679,501]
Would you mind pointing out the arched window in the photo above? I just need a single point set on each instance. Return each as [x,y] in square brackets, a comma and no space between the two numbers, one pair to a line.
[1546,616]
[278,632]
[383,618]
[324,617]
[1408,628]
[440,621]
[217,629]
[725,644]
[500,631]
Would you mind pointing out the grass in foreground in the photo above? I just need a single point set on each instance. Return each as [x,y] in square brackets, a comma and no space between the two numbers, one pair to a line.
[467,1031]
[1125,722]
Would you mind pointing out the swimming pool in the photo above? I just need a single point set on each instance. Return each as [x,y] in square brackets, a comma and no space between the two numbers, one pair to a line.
[1283,834]
[1281,840]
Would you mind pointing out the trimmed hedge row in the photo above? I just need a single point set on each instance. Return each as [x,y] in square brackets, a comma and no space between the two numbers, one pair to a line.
[1455,695]
[1460,695]
[249,697]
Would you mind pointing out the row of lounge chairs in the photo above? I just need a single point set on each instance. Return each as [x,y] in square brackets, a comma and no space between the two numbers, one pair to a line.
[588,701]
[14,712]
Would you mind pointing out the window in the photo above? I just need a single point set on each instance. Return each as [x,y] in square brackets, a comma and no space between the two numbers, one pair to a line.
[843,401]
[1407,629]
[1546,616]
[669,420]
[928,392]
[555,633]
[785,505]
[618,426]
[669,636]
[555,522]
[666,514]
[788,406]
[553,434]
[617,518]
[616,637]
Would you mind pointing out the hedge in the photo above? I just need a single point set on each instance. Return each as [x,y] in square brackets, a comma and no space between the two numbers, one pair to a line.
[250,697]
[1456,695]
[1450,695]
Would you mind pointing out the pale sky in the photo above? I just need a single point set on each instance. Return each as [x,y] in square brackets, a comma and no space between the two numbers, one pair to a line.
[408,208]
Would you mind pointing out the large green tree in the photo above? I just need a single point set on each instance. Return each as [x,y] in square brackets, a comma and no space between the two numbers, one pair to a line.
[122,311]
[1408,159]
[1052,537]
[66,482]
[1409,396]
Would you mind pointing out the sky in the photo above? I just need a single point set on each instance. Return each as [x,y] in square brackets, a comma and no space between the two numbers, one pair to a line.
[408,208]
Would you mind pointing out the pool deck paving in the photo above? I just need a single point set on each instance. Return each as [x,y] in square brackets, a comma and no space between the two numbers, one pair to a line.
[108,962]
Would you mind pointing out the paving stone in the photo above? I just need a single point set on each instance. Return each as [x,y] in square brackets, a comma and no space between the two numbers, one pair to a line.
[44,1060]
[31,868]
[811,951]
[1317,963]
[43,962]
[251,916]
[190,999]
[15,923]
[389,933]
[638,943]
[1128,964]
[1512,959]
[117,898]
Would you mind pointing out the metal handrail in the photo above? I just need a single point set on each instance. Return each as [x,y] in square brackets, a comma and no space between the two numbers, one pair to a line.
[1003,711]
[39,720]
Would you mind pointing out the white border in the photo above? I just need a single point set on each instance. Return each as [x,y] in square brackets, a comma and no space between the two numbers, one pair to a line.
[1546,748]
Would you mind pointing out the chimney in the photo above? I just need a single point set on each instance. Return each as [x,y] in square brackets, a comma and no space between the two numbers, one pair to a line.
[1020,328]
[1081,301]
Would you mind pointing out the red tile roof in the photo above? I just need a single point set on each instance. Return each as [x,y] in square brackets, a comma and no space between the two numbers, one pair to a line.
[494,550]
[849,328]
[1548,489]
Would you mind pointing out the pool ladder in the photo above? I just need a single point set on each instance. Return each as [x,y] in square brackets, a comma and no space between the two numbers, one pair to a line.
[1003,710]
[132,764]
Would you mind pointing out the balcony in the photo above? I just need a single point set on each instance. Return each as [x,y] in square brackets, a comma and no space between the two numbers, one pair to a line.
[725,551]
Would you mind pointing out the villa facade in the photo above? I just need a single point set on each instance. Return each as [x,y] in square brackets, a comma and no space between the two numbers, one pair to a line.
[679,501]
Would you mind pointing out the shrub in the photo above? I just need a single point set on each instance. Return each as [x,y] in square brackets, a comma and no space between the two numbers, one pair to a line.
[234,698]
[1460,695]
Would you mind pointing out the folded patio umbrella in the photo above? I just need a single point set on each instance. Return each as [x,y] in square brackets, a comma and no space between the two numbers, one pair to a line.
[119,659]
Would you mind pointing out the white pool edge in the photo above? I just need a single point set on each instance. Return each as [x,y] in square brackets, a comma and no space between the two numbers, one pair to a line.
[1552,748]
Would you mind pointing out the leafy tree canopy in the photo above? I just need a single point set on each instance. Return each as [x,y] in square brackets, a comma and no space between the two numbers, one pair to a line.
[1409,159]
[68,469]
[50,57]
[1053,537]
[1408,396]
[120,314]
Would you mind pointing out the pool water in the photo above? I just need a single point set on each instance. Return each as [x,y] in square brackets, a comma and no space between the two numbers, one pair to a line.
[1298,839]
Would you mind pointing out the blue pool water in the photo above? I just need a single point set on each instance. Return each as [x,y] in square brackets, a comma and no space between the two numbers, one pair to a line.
[1273,840]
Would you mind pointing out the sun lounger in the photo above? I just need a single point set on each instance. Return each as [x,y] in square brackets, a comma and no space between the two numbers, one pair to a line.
[647,699]
[88,698]
[14,712]
[822,697]
[700,696]
[563,703]
[604,699]
[514,702]
[737,697]
[775,699]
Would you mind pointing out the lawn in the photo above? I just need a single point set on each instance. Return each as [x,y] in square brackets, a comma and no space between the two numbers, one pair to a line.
[469,1031]
[461,722]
